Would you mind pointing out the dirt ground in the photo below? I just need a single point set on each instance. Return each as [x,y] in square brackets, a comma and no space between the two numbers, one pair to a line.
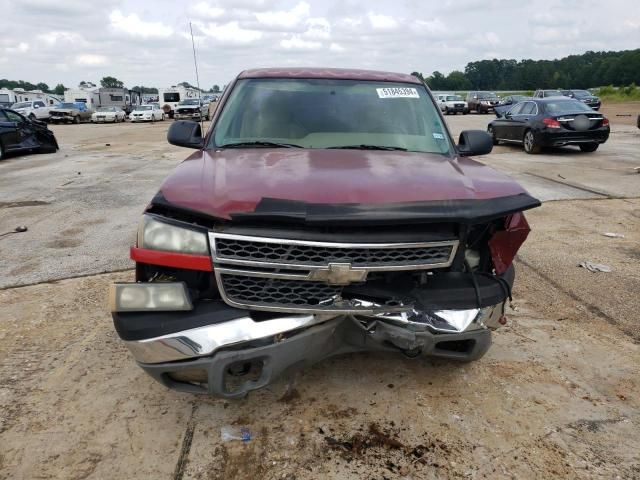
[625,113]
[557,396]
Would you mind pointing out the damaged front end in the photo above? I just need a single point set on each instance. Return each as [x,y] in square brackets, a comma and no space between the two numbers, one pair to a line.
[226,307]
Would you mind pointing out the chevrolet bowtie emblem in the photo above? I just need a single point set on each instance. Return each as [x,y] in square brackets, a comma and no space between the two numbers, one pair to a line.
[338,274]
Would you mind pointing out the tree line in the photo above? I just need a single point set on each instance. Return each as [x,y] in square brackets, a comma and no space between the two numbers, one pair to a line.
[590,69]
[105,82]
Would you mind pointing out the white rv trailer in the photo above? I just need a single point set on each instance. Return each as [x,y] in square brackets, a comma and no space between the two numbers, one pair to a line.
[88,96]
[170,97]
[9,97]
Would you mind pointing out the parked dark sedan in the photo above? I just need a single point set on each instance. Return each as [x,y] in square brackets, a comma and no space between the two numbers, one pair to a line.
[512,99]
[551,122]
[586,97]
[19,134]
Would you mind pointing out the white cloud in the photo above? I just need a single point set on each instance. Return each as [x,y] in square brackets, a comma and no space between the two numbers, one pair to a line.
[430,27]
[207,11]
[145,41]
[89,59]
[285,19]
[134,26]
[318,28]
[57,37]
[231,33]
[492,38]
[382,22]
[21,47]
[296,43]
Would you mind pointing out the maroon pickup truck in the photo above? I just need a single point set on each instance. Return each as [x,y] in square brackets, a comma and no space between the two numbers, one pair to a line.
[325,211]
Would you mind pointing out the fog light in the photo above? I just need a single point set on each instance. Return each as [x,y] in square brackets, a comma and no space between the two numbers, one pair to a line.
[140,297]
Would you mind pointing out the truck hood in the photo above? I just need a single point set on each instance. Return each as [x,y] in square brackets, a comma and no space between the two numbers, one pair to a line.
[63,110]
[236,182]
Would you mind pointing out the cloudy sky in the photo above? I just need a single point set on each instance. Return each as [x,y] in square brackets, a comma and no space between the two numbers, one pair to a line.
[146,42]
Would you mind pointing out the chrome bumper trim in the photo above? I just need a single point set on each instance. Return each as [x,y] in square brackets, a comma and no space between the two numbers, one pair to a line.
[203,341]
[207,340]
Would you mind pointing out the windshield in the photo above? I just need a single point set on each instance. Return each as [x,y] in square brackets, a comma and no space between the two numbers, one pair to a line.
[453,98]
[190,102]
[323,113]
[581,93]
[567,106]
[487,95]
[171,97]
[144,107]
[21,105]
[553,93]
[106,109]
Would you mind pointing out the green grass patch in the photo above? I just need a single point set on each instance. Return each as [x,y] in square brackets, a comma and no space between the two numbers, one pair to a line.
[618,94]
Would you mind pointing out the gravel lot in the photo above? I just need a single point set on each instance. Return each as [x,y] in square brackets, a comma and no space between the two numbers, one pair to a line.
[558,395]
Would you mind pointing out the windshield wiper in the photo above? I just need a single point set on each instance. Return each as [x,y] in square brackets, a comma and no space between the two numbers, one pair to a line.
[369,147]
[259,143]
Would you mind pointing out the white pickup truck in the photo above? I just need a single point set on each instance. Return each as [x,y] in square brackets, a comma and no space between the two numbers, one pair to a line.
[34,109]
[451,103]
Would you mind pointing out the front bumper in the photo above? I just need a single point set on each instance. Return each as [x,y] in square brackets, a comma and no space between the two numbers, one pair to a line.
[65,118]
[215,339]
[222,373]
[186,116]
[104,120]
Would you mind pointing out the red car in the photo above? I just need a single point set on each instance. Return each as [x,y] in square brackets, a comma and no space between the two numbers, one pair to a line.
[325,211]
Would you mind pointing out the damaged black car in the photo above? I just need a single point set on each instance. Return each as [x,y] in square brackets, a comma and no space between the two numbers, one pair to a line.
[19,134]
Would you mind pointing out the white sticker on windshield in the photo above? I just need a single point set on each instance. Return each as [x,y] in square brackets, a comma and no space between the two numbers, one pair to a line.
[438,136]
[397,92]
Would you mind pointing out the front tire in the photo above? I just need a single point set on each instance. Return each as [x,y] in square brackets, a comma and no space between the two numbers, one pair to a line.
[589,147]
[530,145]
[32,117]
[1,151]
[76,119]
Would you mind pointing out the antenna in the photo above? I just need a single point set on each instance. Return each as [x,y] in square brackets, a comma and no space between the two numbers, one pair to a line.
[195,63]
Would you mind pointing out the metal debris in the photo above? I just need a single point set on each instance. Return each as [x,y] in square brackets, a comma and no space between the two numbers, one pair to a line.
[595,267]
[613,235]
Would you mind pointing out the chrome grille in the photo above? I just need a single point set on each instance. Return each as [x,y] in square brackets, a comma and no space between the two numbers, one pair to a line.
[273,292]
[309,276]
[235,249]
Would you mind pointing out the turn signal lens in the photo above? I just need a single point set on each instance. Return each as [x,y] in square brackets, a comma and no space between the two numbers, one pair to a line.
[551,123]
[504,244]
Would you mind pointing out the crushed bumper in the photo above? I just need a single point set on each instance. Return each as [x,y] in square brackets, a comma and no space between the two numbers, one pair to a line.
[235,353]
[261,364]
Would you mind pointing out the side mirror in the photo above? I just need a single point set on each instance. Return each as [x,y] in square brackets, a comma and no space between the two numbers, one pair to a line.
[474,142]
[36,106]
[185,133]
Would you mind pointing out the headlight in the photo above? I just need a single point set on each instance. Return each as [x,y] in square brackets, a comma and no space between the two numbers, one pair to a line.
[156,235]
[140,297]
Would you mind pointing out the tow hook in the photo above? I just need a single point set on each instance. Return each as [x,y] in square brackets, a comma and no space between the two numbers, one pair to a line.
[412,353]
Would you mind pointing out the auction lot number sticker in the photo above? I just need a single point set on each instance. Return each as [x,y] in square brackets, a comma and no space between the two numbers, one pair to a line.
[397,92]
